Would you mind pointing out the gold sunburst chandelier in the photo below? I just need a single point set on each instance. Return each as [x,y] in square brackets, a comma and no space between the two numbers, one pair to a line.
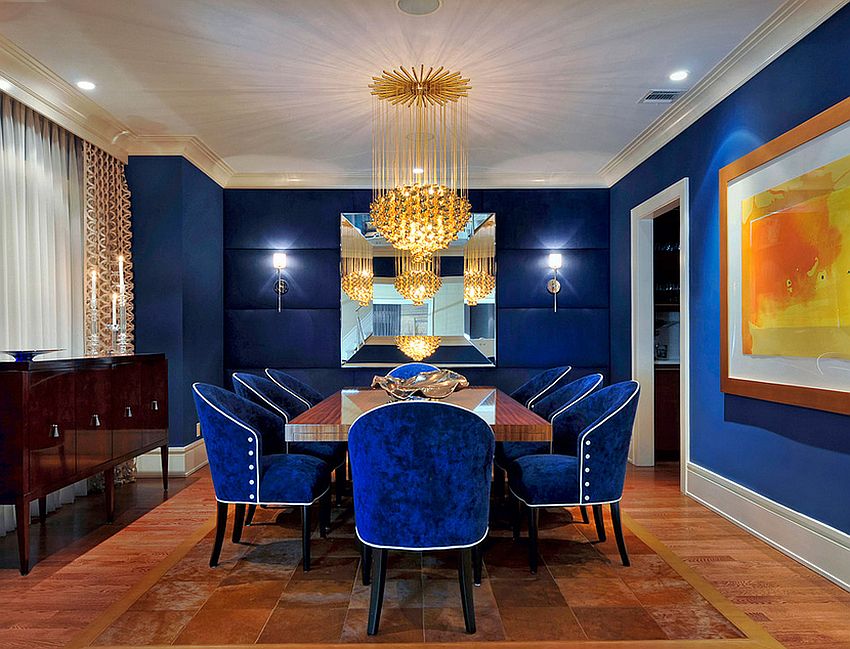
[417,347]
[419,161]
[417,280]
[356,267]
[479,264]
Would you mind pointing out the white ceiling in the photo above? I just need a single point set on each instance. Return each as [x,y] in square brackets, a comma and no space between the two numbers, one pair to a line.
[280,87]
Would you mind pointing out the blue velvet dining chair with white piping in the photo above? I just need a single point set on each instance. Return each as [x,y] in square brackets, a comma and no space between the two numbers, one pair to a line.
[540,385]
[551,408]
[306,396]
[421,475]
[591,475]
[407,370]
[268,394]
[234,429]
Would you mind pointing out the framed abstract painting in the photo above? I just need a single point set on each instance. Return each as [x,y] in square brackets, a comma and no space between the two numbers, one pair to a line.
[785,267]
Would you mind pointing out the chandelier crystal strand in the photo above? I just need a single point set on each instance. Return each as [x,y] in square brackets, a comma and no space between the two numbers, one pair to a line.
[419,174]
[357,267]
[417,280]
[479,264]
[417,347]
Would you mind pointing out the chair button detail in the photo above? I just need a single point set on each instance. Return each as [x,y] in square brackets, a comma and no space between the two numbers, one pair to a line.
[250,439]
[251,496]
[250,482]
[587,469]
[587,456]
[587,443]
[250,452]
[251,467]
[586,497]
[586,484]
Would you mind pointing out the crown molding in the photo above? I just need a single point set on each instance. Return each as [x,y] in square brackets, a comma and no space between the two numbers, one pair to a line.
[36,86]
[191,147]
[785,27]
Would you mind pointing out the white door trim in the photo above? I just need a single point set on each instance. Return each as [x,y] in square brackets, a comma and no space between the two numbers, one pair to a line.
[642,452]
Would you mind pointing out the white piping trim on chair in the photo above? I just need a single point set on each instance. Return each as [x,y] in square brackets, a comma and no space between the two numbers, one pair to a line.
[270,403]
[529,403]
[294,394]
[432,549]
[570,405]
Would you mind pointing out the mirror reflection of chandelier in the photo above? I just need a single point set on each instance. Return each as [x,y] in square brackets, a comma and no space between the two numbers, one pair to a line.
[419,160]
[417,347]
[417,280]
[357,273]
[479,264]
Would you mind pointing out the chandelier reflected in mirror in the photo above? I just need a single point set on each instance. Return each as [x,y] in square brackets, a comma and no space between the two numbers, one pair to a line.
[479,264]
[417,280]
[419,160]
[417,347]
[356,262]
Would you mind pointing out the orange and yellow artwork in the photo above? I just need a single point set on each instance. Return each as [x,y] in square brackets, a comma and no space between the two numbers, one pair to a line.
[795,266]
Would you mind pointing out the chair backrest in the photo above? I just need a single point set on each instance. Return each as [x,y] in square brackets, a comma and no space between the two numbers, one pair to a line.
[303,394]
[233,429]
[603,424]
[540,385]
[421,473]
[411,369]
[557,402]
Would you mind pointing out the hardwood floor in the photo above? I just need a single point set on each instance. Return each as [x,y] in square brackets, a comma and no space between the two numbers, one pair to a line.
[71,587]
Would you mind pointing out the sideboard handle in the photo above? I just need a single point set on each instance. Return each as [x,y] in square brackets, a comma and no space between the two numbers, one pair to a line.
[154,405]
[128,412]
[95,421]
[54,430]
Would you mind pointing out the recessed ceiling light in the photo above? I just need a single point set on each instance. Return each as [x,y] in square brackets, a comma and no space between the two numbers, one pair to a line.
[679,75]
[5,85]
[419,7]
[418,170]
[85,85]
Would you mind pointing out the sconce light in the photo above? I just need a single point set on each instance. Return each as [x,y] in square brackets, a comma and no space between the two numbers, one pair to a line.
[553,285]
[280,287]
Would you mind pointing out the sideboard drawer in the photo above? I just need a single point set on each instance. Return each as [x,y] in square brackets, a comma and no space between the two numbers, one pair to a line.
[51,434]
[94,414]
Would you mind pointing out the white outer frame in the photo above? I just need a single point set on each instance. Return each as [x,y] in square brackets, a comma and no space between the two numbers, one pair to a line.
[642,452]
[405,548]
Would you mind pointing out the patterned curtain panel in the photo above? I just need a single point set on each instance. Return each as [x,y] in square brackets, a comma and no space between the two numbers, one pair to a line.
[107,251]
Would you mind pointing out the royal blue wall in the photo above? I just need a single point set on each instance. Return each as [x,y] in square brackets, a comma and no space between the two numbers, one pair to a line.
[795,456]
[178,261]
[305,337]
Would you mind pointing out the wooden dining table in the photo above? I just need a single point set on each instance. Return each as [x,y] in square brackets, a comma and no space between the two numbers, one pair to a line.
[329,420]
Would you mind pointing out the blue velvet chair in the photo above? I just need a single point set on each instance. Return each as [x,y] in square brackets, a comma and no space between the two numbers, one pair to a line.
[234,430]
[268,394]
[551,408]
[303,394]
[540,385]
[591,475]
[421,474]
[411,369]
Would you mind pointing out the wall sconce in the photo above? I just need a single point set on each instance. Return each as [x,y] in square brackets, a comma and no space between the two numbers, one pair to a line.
[280,287]
[553,285]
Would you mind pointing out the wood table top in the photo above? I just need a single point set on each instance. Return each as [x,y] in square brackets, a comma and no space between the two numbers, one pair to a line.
[329,420]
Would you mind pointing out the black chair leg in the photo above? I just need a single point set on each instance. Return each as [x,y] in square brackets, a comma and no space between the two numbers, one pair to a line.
[477,563]
[379,580]
[238,522]
[533,518]
[366,556]
[339,483]
[464,575]
[517,518]
[220,527]
[499,475]
[600,522]
[584,517]
[249,514]
[305,537]
[618,533]
[325,515]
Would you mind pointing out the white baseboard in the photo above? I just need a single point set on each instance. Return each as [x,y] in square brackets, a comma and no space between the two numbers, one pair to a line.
[182,461]
[816,545]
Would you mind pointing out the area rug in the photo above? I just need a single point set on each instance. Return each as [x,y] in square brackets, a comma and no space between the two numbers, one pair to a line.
[581,595]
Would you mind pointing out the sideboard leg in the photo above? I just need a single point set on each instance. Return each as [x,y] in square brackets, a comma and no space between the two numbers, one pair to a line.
[42,510]
[109,492]
[163,451]
[22,517]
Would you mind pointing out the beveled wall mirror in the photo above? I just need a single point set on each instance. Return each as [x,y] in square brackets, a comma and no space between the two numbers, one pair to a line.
[395,310]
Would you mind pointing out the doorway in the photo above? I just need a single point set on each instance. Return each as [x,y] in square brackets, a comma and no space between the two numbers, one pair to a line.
[653,297]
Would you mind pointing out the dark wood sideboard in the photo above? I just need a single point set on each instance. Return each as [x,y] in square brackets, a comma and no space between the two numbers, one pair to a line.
[65,420]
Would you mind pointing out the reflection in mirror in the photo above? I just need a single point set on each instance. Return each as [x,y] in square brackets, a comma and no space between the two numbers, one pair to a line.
[395,309]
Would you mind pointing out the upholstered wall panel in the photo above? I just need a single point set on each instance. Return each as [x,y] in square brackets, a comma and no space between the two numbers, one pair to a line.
[794,456]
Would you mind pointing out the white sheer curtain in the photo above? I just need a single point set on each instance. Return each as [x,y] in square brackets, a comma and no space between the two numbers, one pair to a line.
[41,244]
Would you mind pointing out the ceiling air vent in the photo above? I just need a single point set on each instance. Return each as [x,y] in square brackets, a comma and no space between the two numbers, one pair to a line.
[661,96]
